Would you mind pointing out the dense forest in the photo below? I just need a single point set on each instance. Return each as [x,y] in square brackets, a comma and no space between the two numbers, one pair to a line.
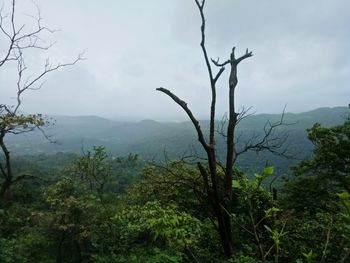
[242,189]
[96,207]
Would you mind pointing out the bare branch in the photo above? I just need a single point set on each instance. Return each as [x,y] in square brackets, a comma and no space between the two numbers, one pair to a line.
[212,79]
[11,36]
[28,85]
[200,5]
[245,56]
[18,40]
[217,76]
[218,64]
[221,127]
[50,68]
[46,136]
[195,122]
[244,113]
[269,141]
[23,177]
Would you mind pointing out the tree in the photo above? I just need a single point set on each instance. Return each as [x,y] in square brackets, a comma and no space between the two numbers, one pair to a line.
[162,229]
[219,188]
[174,183]
[94,169]
[19,43]
[72,214]
[317,195]
[331,160]
[317,179]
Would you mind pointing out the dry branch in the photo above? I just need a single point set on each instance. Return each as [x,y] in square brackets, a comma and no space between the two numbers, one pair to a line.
[195,122]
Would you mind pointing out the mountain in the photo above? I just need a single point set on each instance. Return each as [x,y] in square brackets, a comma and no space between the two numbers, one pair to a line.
[151,139]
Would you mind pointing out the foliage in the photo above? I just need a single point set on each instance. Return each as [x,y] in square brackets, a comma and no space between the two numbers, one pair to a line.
[94,169]
[161,214]
[258,219]
[70,217]
[164,225]
[26,248]
[174,182]
[103,174]
[21,123]
[149,232]
[317,234]
[315,231]
[309,195]
[344,224]
[331,155]
[244,259]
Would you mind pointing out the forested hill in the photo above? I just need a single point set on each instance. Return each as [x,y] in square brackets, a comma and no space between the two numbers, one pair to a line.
[150,139]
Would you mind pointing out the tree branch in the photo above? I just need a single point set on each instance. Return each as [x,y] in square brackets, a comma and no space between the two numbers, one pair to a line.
[195,122]
[269,141]
[210,72]
[23,177]
[245,56]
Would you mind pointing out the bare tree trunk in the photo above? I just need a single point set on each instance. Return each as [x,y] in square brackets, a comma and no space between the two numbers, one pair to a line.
[230,148]
[6,172]
[222,215]
[6,194]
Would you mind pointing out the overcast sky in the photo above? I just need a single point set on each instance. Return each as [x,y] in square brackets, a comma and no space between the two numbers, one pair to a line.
[301,56]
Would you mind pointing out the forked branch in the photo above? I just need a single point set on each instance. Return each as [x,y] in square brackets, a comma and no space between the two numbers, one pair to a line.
[269,141]
[245,56]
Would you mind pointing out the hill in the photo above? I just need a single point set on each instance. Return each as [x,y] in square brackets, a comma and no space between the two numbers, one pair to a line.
[150,139]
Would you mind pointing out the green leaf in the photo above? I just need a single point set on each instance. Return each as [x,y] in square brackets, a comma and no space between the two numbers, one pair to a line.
[258,176]
[268,170]
[309,256]
[268,229]
[343,195]
[236,184]
[271,211]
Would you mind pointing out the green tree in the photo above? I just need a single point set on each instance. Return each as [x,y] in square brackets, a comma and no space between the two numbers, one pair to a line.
[70,218]
[104,175]
[93,168]
[162,229]
[317,228]
[331,160]
[316,180]
[173,183]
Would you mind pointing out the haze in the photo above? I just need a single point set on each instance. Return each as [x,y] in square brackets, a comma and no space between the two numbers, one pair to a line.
[301,56]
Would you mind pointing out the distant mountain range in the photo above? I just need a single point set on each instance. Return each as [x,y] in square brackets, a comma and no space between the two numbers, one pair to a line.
[150,139]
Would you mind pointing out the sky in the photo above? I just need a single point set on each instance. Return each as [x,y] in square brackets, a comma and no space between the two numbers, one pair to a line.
[301,56]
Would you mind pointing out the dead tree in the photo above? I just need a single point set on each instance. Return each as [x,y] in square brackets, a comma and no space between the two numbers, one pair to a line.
[20,41]
[219,191]
[219,197]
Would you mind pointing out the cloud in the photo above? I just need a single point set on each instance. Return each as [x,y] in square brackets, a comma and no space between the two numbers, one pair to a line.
[301,56]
